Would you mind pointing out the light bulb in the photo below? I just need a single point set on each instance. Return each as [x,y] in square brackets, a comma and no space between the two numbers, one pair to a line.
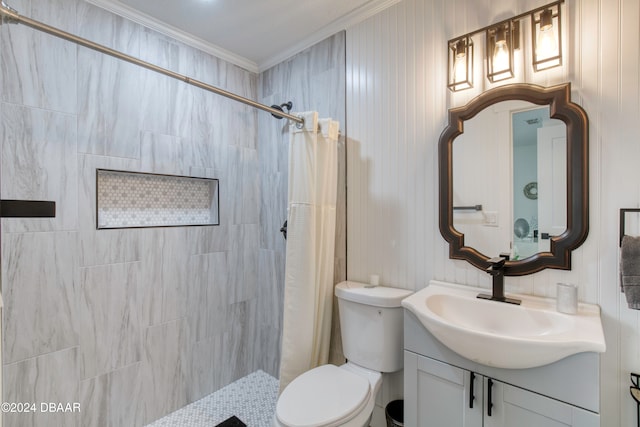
[546,46]
[460,69]
[460,63]
[501,56]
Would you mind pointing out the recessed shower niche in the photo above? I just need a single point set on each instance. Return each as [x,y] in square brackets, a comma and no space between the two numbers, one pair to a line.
[135,199]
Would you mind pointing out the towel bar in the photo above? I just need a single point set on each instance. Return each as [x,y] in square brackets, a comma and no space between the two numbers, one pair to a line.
[468,208]
[622,219]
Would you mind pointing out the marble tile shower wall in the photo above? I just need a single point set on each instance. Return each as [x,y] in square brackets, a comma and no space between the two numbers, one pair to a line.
[314,79]
[132,324]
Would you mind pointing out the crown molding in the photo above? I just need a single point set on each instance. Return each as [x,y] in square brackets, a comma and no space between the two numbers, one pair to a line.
[143,19]
[352,18]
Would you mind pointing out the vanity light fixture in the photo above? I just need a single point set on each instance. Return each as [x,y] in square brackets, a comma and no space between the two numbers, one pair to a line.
[460,70]
[546,38]
[501,40]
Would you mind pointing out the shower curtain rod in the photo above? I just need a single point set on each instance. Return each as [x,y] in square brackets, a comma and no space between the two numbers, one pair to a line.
[11,16]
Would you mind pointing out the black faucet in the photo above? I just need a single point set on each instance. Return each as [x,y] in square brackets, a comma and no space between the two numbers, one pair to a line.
[496,270]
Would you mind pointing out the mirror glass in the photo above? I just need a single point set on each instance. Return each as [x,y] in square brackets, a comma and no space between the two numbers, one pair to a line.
[509,180]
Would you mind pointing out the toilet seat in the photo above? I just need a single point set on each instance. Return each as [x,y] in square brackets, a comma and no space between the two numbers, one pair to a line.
[325,396]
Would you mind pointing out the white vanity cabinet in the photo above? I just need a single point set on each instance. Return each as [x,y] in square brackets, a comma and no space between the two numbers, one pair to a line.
[443,389]
[441,395]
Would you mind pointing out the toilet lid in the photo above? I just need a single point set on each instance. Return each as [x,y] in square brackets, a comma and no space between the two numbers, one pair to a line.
[324,396]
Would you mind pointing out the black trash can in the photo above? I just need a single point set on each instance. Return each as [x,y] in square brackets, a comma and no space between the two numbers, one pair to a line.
[395,413]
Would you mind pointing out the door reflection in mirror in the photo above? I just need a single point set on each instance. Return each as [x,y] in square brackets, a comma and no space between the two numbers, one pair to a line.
[539,180]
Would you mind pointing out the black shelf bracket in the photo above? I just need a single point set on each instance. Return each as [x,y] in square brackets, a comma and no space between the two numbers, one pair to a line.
[27,209]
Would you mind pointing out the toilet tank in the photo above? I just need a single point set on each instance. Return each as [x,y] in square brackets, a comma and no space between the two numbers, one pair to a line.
[371,325]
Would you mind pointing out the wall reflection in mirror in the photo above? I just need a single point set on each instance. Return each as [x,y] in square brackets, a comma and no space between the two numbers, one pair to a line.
[511,160]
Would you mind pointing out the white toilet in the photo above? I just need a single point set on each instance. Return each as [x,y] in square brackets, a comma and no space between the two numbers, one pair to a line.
[372,340]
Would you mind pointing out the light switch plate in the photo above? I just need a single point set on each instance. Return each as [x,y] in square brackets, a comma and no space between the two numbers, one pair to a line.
[491,218]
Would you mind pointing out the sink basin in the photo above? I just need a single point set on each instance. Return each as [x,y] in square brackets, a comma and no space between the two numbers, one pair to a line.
[505,335]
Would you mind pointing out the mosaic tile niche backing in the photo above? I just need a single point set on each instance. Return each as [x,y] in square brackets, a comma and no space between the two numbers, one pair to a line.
[133,199]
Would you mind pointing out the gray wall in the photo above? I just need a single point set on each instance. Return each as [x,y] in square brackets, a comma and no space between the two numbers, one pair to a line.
[136,323]
[314,80]
[132,323]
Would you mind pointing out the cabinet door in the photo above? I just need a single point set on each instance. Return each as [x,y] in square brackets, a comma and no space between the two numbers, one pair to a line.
[515,407]
[440,395]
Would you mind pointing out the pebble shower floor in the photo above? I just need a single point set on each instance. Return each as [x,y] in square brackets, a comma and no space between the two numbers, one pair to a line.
[252,399]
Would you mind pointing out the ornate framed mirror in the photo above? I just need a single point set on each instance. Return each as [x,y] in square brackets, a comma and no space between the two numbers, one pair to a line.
[484,173]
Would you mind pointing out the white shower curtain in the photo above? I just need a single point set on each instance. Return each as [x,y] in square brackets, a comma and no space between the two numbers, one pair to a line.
[311,223]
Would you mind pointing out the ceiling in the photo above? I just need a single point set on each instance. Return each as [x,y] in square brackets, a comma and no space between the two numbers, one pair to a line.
[255,34]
